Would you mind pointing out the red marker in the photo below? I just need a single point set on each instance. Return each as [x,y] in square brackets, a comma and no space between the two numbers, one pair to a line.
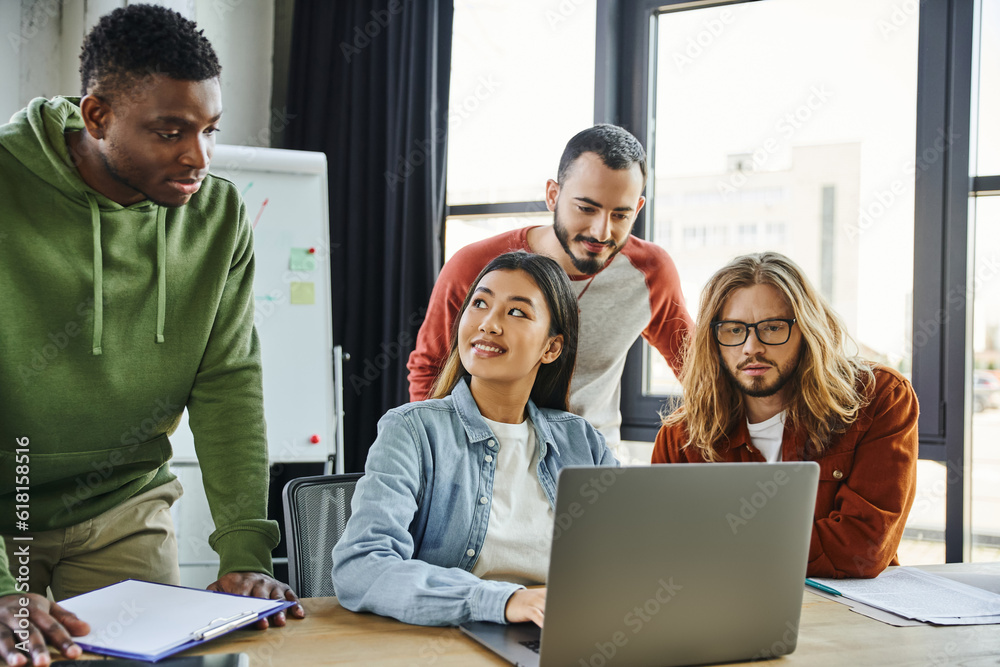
[312,251]
[259,213]
[314,440]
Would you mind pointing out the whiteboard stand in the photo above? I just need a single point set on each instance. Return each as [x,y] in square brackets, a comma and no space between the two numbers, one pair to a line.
[337,457]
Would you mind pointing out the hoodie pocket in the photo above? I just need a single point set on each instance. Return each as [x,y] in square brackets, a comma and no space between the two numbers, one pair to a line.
[61,483]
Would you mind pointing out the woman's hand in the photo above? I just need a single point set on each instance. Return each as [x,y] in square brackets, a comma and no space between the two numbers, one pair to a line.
[526,605]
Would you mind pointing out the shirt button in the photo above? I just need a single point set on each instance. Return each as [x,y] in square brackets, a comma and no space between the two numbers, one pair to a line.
[492,444]
[483,500]
[470,553]
[489,459]
[838,474]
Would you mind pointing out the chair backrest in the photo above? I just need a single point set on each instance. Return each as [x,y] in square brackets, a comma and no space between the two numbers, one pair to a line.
[316,513]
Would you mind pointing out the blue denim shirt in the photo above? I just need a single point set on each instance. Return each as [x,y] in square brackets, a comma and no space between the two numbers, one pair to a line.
[420,513]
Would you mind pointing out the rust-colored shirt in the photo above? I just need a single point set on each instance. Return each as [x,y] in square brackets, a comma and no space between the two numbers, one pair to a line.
[867,478]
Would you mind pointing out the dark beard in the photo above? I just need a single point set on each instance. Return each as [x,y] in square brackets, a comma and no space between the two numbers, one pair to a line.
[757,388]
[585,265]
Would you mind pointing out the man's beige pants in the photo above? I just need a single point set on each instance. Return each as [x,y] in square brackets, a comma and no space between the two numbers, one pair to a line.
[132,541]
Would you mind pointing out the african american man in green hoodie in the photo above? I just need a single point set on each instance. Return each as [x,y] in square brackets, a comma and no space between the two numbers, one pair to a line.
[126,295]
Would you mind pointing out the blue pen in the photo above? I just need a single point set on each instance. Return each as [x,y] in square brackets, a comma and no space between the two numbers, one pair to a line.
[821,587]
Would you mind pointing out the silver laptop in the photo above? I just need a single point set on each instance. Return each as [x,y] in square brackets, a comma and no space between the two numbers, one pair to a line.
[670,565]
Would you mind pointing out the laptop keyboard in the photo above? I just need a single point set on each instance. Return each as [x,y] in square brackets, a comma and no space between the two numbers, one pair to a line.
[535,645]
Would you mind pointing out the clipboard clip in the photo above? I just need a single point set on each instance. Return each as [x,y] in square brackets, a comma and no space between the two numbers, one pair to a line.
[222,625]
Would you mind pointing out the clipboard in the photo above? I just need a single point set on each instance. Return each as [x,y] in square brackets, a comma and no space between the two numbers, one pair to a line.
[214,660]
[147,621]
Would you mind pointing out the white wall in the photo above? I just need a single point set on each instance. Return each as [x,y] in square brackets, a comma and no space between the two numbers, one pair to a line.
[10,27]
[41,42]
[242,33]
[32,34]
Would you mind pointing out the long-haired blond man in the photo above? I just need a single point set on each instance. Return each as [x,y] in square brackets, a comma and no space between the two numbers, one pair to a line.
[766,378]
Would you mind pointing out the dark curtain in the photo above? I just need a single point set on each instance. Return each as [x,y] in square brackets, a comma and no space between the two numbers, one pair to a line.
[368,86]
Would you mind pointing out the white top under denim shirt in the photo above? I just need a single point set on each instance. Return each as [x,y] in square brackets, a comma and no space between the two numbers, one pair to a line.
[420,513]
[519,534]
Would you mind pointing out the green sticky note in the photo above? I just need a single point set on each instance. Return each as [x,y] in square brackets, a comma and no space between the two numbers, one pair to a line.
[302,260]
[304,293]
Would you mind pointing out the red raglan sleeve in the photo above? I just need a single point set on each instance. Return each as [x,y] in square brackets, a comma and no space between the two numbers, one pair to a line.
[861,534]
[670,323]
[431,349]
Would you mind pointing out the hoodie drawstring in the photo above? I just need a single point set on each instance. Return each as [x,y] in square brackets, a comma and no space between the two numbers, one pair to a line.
[161,271]
[95,223]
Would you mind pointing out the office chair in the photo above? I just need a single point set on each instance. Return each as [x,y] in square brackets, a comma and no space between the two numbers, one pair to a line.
[316,513]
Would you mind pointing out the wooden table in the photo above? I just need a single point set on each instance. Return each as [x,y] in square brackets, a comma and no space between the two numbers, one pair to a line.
[830,634]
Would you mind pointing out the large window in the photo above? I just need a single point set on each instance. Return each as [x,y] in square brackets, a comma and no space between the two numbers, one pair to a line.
[769,137]
[986,381]
[522,83]
[985,348]
[838,133]
[766,136]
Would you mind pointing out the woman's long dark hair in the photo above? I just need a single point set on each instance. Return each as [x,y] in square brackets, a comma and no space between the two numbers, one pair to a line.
[551,388]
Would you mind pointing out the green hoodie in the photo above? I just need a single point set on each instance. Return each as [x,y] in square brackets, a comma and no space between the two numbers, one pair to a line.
[112,320]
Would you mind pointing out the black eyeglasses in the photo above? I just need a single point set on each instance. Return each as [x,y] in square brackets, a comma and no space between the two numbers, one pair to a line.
[731,333]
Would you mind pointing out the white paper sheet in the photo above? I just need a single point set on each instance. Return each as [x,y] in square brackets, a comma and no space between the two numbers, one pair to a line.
[139,617]
[916,594]
[966,620]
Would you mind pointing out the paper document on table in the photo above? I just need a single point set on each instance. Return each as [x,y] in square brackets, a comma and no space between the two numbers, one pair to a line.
[926,597]
[964,620]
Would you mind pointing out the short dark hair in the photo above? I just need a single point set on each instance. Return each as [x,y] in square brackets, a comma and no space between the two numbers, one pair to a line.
[616,147]
[551,388]
[134,42]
